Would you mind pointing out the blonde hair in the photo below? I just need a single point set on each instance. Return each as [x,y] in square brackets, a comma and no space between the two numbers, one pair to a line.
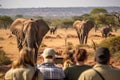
[26,57]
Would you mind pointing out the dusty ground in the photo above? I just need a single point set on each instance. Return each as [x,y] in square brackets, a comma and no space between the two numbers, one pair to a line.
[56,41]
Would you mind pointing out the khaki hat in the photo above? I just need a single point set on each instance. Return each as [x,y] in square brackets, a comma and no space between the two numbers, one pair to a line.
[48,52]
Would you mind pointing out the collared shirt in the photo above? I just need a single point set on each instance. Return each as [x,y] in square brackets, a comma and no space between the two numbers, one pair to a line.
[50,71]
[106,71]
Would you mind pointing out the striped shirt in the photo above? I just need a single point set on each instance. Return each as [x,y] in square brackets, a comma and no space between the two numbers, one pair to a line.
[50,71]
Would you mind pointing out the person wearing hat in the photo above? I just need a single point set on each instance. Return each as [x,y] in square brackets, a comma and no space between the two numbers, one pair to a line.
[48,68]
[102,70]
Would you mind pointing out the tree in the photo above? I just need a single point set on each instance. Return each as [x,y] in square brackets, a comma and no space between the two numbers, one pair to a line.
[77,18]
[97,15]
[67,23]
[116,16]
[5,21]
[98,11]
[19,16]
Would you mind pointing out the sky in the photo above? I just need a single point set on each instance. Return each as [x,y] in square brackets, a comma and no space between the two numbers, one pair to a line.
[57,3]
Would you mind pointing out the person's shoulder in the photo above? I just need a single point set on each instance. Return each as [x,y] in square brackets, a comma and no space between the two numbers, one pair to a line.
[8,74]
[29,67]
[59,68]
[39,65]
[87,75]
[114,69]
[56,68]
[70,67]
[88,72]
[88,66]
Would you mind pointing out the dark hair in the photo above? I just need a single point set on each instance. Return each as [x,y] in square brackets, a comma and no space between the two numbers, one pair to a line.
[80,55]
[102,55]
[68,55]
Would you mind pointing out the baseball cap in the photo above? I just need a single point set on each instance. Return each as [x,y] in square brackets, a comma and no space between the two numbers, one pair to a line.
[102,55]
[48,52]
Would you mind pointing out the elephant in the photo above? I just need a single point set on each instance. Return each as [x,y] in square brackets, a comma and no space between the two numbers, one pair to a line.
[29,33]
[105,31]
[82,29]
[52,30]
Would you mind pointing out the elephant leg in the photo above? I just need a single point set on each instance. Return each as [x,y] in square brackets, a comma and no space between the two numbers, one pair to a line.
[53,32]
[35,55]
[102,35]
[86,37]
[105,35]
[79,37]
[50,32]
[82,38]
[19,43]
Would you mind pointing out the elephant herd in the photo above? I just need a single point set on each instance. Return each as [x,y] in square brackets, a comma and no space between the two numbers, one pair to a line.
[30,32]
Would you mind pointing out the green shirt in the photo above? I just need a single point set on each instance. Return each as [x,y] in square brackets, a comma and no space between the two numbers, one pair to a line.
[106,71]
[72,73]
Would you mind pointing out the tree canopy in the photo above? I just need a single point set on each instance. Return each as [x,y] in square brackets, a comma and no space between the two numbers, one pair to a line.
[98,11]
[5,21]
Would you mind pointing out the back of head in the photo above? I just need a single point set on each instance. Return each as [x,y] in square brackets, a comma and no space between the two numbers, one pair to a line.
[102,55]
[68,54]
[80,55]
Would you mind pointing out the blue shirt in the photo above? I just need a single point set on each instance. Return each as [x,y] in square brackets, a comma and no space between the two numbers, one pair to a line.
[50,71]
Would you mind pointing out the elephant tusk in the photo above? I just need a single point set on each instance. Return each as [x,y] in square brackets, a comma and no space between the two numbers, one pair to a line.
[36,44]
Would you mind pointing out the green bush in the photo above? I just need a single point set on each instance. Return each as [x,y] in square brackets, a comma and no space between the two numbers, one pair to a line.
[4,60]
[112,43]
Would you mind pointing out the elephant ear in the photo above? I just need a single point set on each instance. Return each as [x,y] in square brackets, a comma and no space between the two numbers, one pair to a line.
[90,23]
[76,24]
[17,26]
[42,27]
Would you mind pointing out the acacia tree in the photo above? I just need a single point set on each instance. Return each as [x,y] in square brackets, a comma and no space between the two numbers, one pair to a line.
[97,15]
[116,19]
[98,11]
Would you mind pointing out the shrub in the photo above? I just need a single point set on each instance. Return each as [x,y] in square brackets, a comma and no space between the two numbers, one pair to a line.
[4,60]
[112,43]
